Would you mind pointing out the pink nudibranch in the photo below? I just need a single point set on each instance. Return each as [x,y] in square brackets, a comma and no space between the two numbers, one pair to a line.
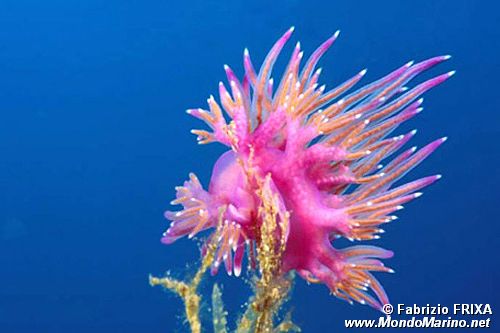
[322,151]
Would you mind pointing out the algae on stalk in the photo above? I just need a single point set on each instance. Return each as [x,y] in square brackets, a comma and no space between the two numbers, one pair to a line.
[270,286]
[218,313]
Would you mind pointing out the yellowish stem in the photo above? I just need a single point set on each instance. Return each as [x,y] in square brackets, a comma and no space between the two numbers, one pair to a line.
[188,291]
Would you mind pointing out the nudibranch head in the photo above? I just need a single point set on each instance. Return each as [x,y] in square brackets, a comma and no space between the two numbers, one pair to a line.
[320,152]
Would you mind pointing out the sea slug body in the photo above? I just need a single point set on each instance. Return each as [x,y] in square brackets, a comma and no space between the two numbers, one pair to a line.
[322,150]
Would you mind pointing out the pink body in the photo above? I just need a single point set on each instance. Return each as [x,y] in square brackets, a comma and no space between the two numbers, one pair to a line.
[322,151]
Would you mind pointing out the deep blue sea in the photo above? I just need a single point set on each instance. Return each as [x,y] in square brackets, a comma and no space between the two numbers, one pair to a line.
[94,137]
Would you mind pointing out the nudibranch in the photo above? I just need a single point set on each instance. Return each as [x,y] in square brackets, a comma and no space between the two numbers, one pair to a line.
[322,152]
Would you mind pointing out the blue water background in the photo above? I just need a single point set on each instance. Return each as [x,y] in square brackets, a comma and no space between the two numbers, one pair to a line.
[93,139]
